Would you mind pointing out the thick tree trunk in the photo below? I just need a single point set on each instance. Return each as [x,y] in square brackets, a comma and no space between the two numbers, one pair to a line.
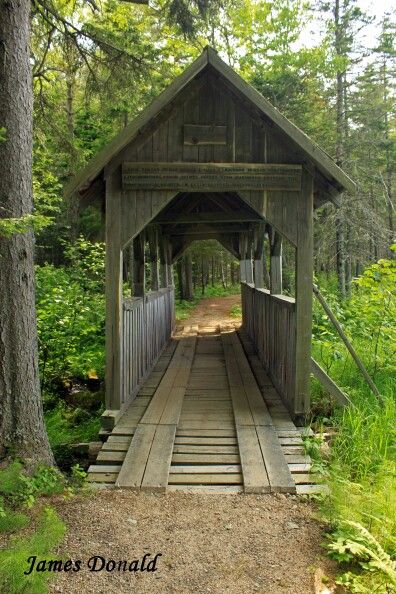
[22,429]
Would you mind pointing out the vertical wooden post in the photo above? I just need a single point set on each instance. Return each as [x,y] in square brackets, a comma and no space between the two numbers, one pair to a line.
[242,256]
[164,267]
[249,262]
[276,264]
[114,322]
[304,279]
[259,256]
[169,257]
[153,243]
[245,250]
[139,275]
[129,252]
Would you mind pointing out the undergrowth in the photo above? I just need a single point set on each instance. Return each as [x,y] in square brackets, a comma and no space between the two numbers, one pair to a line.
[236,311]
[360,466]
[28,524]
[49,532]
[66,426]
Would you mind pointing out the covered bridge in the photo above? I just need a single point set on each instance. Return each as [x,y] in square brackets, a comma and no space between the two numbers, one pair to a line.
[209,158]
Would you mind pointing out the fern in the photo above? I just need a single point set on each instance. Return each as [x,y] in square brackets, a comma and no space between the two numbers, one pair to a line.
[353,542]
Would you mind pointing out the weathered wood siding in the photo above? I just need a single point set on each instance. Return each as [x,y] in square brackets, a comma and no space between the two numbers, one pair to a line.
[209,101]
[270,321]
[147,326]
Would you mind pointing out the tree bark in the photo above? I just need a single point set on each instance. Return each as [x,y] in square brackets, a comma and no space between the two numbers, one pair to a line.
[22,428]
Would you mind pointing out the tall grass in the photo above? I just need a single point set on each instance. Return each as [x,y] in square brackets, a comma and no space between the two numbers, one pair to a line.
[361,466]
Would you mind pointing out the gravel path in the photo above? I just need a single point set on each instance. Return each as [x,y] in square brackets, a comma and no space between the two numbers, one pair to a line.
[236,544]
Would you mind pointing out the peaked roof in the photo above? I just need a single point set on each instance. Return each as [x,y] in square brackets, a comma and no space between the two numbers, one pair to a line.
[334,174]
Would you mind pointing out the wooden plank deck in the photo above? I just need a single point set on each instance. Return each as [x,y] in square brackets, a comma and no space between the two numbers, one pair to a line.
[208,420]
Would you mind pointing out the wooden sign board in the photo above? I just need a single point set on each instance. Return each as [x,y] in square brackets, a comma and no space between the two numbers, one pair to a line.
[210,177]
[200,134]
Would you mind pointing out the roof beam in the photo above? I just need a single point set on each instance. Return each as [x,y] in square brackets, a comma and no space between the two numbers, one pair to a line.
[202,230]
[208,217]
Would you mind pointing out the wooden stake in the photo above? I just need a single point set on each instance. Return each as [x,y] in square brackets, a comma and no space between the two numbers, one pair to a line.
[348,345]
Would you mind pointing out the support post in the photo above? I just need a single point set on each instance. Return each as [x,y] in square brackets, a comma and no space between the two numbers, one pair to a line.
[276,264]
[249,260]
[304,274]
[139,275]
[153,245]
[164,267]
[259,256]
[114,329]
[169,262]
[245,249]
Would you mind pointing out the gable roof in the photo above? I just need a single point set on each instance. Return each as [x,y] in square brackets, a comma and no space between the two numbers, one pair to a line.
[334,174]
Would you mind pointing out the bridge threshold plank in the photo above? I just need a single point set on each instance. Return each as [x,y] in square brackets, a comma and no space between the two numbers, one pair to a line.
[208,441]
[205,433]
[207,489]
[205,458]
[255,477]
[159,460]
[205,449]
[279,474]
[205,479]
[133,468]
[205,469]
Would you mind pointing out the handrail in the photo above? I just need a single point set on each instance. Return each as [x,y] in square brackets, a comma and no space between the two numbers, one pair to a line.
[132,302]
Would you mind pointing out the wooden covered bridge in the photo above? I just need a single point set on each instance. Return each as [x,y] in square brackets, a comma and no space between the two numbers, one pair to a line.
[209,158]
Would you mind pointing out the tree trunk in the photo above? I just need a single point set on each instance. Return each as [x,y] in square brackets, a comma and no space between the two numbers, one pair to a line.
[202,276]
[22,428]
[232,273]
[179,271]
[223,275]
[339,222]
[188,284]
[389,166]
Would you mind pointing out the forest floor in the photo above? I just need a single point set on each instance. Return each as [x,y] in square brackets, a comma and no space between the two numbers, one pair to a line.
[235,544]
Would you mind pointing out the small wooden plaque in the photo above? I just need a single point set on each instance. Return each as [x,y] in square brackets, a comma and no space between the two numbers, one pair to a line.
[202,134]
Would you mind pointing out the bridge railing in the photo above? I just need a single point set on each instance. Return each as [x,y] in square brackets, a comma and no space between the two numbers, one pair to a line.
[147,326]
[270,321]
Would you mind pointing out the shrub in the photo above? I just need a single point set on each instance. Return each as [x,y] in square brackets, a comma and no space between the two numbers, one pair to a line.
[71,315]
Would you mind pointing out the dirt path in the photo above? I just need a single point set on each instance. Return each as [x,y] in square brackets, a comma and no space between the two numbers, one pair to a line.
[209,544]
[212,311]
[217,544]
